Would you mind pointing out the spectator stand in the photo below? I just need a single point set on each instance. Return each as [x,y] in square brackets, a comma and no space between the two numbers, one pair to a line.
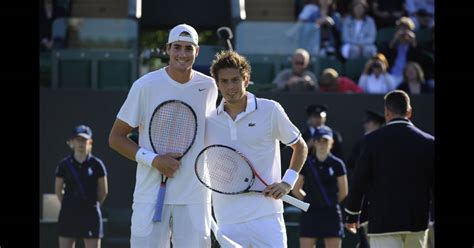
[89,57]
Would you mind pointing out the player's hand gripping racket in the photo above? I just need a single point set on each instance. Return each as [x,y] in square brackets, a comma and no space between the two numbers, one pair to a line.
[225,170]
[173,128]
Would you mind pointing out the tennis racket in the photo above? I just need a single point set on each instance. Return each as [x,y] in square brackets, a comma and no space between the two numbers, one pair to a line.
[225,170]
[173,128]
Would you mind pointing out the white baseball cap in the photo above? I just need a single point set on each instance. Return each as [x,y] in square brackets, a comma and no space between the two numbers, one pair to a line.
[183,32]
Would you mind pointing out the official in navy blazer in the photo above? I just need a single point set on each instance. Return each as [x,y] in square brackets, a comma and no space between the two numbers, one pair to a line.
[396,168]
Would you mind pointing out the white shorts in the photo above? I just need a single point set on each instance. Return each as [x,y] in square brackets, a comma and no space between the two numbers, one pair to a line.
[268,231]
[184,225]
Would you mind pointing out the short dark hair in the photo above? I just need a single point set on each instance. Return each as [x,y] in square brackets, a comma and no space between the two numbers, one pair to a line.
[230,59]
[397,102]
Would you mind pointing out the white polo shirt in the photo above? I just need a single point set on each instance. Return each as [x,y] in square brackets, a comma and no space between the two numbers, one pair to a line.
[256,134]
[145,95]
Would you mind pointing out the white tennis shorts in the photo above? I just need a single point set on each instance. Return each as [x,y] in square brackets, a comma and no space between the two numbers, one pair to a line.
[268,231]
[184,225]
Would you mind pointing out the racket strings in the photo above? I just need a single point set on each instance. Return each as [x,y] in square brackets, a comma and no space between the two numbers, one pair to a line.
[172,128]
[224,170]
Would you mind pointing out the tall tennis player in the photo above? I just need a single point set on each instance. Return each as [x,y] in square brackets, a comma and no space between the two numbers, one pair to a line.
[169,203]
[254,127]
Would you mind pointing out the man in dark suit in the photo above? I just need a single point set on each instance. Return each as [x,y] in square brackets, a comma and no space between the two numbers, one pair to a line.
[317,114]
[396,168]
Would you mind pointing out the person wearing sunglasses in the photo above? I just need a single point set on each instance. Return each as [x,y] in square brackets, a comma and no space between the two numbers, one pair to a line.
[298,77]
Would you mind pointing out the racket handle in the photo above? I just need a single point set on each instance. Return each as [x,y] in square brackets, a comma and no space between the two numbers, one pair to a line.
[295,202]
[159,203]
[223,240]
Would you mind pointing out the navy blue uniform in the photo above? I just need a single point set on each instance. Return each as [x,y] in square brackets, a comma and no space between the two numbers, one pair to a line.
[80,215]
[323,219]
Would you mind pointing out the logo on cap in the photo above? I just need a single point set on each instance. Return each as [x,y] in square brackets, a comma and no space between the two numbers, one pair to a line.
[323,132]
[183,32]
[83,131]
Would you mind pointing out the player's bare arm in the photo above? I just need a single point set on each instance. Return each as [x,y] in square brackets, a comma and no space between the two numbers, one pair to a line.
[300,151]
[120,142]
[298,191]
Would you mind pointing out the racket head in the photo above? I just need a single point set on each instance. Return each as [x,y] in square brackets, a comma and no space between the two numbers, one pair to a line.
[173,127]
[224,170]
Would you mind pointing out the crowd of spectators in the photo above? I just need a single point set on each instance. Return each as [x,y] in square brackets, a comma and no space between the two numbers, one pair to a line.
[348,31]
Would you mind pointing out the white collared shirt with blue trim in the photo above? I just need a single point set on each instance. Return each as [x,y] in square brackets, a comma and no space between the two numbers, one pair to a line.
[255,133]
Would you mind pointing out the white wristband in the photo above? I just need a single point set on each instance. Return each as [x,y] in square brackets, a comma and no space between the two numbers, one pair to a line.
[290,177]
[143,156]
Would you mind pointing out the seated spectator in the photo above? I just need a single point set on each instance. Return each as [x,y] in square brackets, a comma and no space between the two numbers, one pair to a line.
[324,19]
[305,29]
[330,81]
[49,11]
[375,78]
[402,48]
[330,28]
[298,77]
[386,12]
[414,80]
[358,32]
[422,13]
[405,23]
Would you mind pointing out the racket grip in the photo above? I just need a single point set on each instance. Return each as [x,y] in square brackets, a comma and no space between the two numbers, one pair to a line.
[295,202]
[159,203]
